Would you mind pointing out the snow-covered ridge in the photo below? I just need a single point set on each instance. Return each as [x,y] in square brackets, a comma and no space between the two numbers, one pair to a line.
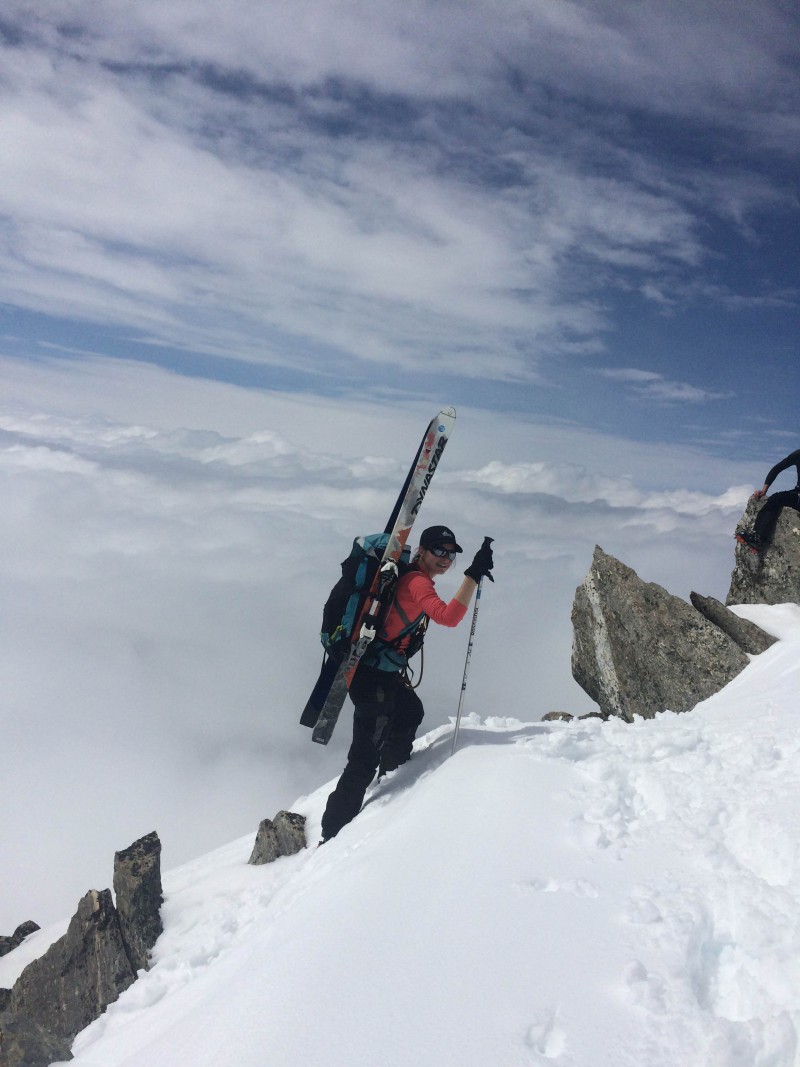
[579,893]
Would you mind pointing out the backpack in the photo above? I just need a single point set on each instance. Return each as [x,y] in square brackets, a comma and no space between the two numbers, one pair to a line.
[344,603]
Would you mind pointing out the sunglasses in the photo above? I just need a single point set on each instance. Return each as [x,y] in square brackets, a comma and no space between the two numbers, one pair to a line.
[443,553]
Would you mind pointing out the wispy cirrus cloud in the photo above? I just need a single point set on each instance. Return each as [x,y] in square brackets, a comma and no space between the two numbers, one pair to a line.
[412,187]
[653,386]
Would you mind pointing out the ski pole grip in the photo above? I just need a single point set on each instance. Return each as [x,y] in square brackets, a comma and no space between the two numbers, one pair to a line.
[487,542]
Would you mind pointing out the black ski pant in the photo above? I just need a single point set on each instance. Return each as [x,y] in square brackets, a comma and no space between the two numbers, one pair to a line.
[767,518]
[385,722]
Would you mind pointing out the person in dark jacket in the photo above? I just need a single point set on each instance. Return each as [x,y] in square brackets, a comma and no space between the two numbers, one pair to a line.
[387,710]
[760,537]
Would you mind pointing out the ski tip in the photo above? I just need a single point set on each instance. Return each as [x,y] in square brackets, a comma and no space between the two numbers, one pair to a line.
[450,413]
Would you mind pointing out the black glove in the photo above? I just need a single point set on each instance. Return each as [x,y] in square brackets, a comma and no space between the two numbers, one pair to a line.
[481,566]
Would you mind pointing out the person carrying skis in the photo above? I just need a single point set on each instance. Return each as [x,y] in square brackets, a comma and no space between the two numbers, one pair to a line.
[387,710]
[760,537]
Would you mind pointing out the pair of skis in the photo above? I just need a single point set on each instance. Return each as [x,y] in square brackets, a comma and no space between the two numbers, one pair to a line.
[327,698]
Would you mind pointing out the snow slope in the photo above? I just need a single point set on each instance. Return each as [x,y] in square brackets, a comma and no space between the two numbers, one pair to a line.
[578,894]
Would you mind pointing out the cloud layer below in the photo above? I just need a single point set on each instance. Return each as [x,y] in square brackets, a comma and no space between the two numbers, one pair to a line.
[163,585]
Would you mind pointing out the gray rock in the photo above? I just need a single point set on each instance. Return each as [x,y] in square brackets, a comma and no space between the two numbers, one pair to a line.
[266,848]
[749,637]
[7,944]
[567,716]
[291,830]
[774,576]
[137,889]
[5,1000]
[283,837]
[79,975]
[638,650]
[23,1043]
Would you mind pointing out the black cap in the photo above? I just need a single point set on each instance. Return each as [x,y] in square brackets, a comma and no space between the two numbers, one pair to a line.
[439,535]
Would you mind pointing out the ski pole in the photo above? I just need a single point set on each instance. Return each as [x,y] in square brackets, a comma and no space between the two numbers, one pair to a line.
[469,657]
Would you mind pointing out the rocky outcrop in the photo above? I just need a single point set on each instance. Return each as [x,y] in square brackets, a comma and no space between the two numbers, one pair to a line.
[774,576]
[79,975]
[283,836]
[567,716]
[7,944]
[137,889]
[73,983]
[23,1043]
[749,637]
[639,650]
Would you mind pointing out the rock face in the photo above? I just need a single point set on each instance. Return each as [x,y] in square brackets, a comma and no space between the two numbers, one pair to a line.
[774,577]
[284,836]
[137,888]
[749,637]
[638,650]
[79,975]
[7,944]
[23,1043]
[60,993]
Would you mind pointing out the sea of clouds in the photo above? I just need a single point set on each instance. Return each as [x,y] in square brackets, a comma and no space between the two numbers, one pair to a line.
[163,577]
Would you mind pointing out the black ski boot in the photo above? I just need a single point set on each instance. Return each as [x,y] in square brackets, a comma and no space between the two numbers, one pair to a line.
[750,539]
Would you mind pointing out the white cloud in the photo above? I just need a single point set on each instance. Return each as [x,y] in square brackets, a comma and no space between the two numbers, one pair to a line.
[653,386]
[162,589]
[577,484]
[383,185]
[428,48]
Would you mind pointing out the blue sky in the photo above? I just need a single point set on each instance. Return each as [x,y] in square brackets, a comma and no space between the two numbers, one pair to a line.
[578,211]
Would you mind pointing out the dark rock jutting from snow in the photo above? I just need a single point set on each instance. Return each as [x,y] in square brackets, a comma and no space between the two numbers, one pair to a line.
[8,944]
[567,716]
[81,973]
[283,836]
[749,637]
[639,650]
[772,577]
[137,889]
[23,1043]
